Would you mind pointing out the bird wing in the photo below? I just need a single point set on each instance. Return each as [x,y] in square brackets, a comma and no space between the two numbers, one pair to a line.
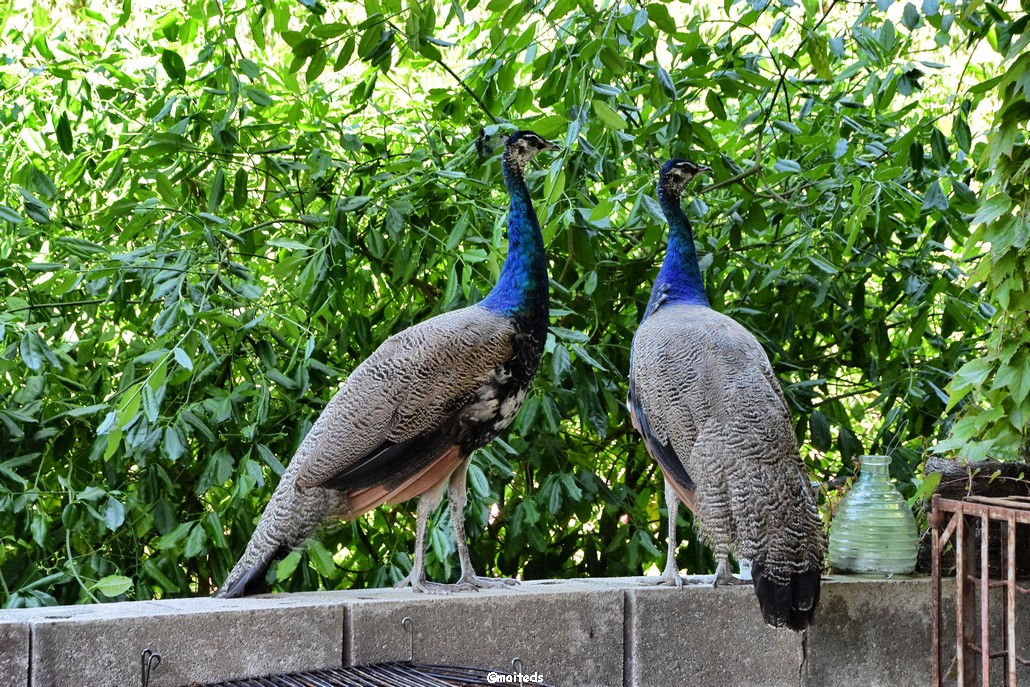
[388,423]
[661,451]
[666,372]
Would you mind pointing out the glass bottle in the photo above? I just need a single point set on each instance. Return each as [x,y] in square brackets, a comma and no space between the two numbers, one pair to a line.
[873,530]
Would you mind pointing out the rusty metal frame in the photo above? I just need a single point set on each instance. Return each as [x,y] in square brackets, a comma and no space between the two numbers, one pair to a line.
[1011,511]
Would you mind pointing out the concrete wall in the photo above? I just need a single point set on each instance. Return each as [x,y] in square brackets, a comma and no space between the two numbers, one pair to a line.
[604,632]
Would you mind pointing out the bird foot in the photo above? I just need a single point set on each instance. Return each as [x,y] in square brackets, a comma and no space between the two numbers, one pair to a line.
[724,577]
[420,585]
[476,582]
[670,577]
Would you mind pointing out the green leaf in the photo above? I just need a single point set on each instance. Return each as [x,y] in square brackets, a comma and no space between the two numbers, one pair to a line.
[788,127]
[586,357]
[150,405]
[609,117]
[258,96]
[316,66]
[910,16]
[174,443]
[665,81]
[284,569]
[960,129]
[840,148]
[32,352]
[659,14]
[151,570]
[289,244]
[240,189]
[1015,379]
[353,203]
[823,265]
[714,103]
[935,198]
[321,559]
[112,585]
[64,134]
[91,493]
[820,431]
[83,411]
[281,379]
[939,147]
[173,66]
[182,358]
[109,423]
[173,538]
[783,165]
[10,215]
[994,207]
[37,210]
[970,376]
[114,513]
[217,192]
[39,527]
[194,541]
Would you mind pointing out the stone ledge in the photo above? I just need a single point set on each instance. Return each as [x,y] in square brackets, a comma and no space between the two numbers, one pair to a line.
[573,632]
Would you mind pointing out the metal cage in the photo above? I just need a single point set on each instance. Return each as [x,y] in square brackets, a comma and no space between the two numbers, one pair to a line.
[959,523]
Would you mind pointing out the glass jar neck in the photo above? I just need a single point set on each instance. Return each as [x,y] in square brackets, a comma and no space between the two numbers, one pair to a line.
[875,466]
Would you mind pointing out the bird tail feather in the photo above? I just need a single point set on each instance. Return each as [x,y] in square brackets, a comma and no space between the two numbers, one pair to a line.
[290,517]
[789,603]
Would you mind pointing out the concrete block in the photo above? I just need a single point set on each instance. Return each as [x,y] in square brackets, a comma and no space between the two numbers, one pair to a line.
[706,637]
[873,632]
[606,632]
[14,654]
[570,633]
[203,640]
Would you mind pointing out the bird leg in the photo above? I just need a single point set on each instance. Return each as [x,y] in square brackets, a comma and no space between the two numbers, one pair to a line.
[458,497]
[427,503]
[671,575]
[724,574]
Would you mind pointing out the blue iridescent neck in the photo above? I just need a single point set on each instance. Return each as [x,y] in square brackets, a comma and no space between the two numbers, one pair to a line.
[679,280]
[521,290]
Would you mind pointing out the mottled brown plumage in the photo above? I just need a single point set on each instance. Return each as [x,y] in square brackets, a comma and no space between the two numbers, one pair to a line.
[409,417]
[704,397]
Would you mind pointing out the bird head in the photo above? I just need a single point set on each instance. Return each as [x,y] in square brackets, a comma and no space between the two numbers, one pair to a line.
[676,174]
[523,146]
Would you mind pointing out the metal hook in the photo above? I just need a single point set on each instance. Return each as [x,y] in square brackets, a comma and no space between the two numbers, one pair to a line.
[149,660]
[409,626]
[516,663]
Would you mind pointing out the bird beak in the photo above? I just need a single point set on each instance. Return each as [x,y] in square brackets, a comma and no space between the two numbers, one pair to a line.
[552,146]
[704,169]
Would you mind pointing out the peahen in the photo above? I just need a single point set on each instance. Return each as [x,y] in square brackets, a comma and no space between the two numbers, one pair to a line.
[703,396]
[408,418]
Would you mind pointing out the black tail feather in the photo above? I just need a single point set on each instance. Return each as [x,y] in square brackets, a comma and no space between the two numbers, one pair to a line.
[787,605]
[252,581]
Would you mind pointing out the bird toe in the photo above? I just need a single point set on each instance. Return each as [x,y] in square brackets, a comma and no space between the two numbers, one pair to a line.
[476,582]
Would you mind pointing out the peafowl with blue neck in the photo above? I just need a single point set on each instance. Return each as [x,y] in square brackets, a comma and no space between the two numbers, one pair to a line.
[703,396]
[409,417]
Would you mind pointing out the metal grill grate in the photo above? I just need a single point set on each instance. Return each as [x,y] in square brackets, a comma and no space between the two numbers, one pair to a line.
[379,675]
[973,656]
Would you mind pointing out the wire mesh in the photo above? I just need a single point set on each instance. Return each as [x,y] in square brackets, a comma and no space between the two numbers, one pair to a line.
[379,675]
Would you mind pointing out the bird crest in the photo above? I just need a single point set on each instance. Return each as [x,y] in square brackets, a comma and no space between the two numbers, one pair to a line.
[520,146]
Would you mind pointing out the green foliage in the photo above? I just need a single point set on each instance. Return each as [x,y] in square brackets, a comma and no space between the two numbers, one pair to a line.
[214,211]
[994,389]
